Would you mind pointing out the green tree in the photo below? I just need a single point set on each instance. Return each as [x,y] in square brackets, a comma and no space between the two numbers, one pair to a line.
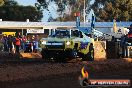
[12,11]
[72,5]
[107,10]
[1,2]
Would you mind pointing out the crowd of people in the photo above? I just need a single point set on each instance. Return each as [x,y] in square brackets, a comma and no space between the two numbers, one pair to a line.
[19,43]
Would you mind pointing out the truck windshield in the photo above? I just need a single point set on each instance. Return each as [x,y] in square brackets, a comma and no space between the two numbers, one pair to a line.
[61,34]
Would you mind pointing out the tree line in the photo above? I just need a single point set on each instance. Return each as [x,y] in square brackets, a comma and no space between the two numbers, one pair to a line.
[107,10]
[10,10]
[104,10]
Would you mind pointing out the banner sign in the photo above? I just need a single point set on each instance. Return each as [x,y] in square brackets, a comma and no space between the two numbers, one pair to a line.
[9,33]
[35,30]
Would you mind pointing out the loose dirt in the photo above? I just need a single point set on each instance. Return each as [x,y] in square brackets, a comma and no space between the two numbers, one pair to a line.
[13,75]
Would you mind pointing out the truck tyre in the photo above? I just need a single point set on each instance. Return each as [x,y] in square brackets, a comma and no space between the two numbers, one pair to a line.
[44,55]
[60,58]
[90,55]
[73,54]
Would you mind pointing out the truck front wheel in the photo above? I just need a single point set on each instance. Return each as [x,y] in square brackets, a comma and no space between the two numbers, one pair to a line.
[73,54]
[44,55]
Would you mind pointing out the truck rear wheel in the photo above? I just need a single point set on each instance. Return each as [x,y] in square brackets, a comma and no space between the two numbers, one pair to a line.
[90,55]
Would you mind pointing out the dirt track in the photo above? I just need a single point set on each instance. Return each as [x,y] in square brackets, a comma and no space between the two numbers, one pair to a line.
[64,81]
[58,75]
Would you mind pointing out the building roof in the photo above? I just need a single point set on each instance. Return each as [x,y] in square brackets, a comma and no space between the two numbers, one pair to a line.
[110,24]
[26,25]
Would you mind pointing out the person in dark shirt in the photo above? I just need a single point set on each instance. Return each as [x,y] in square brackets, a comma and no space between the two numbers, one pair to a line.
[130,29]
[4,40]
[10,43]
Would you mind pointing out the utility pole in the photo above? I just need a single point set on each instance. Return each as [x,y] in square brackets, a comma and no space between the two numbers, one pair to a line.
[93,25]
[84,13]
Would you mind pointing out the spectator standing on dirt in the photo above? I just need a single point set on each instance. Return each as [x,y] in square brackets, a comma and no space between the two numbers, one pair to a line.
[10,43]
[37,41]
[28,45]
[17,43]
[23,41]
[13,44]
[4,40]
[33,43]
[20,37]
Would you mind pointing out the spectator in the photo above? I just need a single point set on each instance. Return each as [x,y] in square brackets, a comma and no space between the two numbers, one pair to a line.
[28,45]
[13,43]
[10,43]
[17,43]
[35,43]
[37,40]
[4,40]
[23,41]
